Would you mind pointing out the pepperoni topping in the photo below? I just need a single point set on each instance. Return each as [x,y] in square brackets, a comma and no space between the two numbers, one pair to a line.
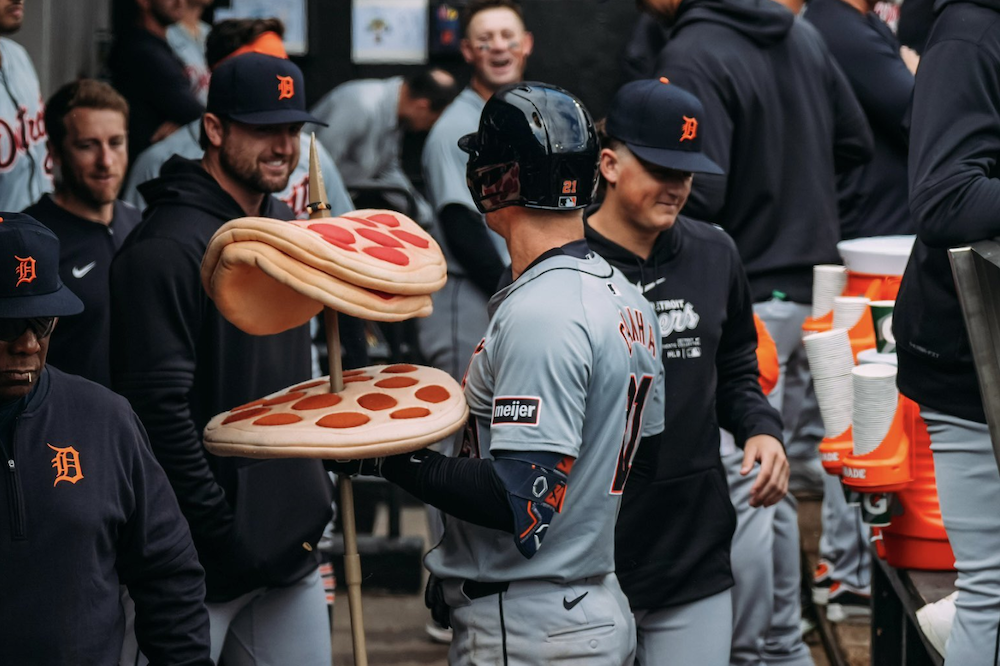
[320,401]
[384,219]
[342,246]
[357,378]
[309,385]
[412,239]
[259,401]
[377,401]
[352,373]
[361,220]
[277,419]
[245,414]
[410,413]
[333,233]
[433,393]
[400,367]
[379,237]
[281,399]
[388,254]
[396,382]
[343,420]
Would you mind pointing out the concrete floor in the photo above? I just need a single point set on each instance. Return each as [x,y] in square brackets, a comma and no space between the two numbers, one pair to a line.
[394,624]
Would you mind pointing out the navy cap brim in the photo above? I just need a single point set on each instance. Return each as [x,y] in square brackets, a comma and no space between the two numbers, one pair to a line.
[60,303]
[681,160]
[276,117]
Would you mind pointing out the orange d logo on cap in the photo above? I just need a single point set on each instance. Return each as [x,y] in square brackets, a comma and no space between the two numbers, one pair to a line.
[286,87]
[25,270]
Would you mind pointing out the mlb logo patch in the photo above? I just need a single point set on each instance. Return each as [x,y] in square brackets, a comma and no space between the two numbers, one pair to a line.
[567,202]
[516,411]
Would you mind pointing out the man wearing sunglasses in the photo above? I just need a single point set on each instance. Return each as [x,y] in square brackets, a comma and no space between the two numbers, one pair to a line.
[84,506]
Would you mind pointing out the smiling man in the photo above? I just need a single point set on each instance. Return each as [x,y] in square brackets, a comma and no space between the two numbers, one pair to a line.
[87,123]
[255,524]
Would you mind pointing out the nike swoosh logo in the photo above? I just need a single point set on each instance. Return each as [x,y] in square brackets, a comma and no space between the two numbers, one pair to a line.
[80,272]
[568,605]
[653,285]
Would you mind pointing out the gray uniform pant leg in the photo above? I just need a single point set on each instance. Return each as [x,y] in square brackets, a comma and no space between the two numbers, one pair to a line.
[692,633]
[969,490]
[753,571]
[844,539]
[783,643]
[537,623]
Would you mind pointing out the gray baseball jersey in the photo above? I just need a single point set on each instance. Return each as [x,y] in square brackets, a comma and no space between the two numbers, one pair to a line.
[450,333]
[25,164]
[184,142]
[570,364]
[190,49]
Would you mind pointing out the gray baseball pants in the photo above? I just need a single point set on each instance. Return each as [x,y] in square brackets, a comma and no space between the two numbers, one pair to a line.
[693,633]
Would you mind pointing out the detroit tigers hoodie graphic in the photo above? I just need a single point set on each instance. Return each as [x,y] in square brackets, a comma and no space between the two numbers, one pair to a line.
[781,120]
[676,522]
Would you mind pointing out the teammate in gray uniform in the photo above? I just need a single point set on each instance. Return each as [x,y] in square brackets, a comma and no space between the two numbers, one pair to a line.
[566,380]
[227,36]
[25,165]
[365,124]
[497,46]
[187,38]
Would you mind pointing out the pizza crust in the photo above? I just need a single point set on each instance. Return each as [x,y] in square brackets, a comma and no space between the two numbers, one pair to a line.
[380,412]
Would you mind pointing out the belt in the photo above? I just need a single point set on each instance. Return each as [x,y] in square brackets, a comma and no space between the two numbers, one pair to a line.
[476,590]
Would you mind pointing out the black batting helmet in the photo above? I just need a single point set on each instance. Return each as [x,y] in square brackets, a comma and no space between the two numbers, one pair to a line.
[536,147]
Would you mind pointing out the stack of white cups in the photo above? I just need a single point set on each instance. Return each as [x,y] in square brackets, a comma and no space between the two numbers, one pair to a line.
[828,283]
[848,310]
[875,401]
[831,362]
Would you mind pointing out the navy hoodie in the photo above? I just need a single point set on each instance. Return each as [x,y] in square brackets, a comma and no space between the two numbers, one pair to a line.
[873,197]
[255,523]
[699,291]
[781,121]
[955,200]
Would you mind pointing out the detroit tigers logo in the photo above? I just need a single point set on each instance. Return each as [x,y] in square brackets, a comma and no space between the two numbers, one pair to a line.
[690,130]
[66,464]
[286,87]
[25,270]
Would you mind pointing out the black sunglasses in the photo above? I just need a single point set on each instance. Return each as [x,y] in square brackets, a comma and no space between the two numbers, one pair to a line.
[12,329]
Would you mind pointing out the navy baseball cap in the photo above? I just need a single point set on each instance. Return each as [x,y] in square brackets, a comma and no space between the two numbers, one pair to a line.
[29,271]
[659,123]
[259,89]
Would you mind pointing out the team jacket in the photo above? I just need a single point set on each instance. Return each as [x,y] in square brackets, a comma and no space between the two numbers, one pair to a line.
[781,120]
[676,522]
[873,197]
[86,508]
[179,362]
[954,196]
[80,344]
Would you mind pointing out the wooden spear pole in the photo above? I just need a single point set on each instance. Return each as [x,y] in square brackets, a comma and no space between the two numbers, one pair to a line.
[319,207]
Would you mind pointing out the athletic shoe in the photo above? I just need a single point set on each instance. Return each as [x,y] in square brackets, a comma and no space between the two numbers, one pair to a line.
[821,582]
[935,621]
[846,601]
[437,633]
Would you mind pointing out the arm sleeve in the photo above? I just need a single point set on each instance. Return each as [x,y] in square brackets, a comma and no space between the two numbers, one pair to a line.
[954,145]
[153,366]
[708,192]
[469,242]
[158,563]
[740,403]
[853,144]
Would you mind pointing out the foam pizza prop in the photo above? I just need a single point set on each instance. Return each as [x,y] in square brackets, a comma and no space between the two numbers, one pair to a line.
[267,276]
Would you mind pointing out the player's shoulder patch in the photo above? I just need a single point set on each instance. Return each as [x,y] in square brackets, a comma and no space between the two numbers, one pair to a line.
[516,411]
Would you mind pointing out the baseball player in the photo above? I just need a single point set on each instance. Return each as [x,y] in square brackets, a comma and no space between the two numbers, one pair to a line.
[497,47]
[565,382]
[187,39]
[250,35]
[25,166]
[674,566]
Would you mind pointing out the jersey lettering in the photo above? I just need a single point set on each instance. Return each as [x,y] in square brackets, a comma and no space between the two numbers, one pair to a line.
[18,140]
[634,408]
[635,331]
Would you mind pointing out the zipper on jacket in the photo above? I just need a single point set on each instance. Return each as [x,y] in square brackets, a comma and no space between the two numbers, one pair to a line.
[15,498]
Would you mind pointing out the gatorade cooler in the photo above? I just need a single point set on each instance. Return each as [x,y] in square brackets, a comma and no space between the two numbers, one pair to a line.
[875,265]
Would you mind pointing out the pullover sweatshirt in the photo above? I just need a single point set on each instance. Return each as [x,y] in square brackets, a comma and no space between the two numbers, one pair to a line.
[955,199]
[255,523]
[698,289]
[781,120]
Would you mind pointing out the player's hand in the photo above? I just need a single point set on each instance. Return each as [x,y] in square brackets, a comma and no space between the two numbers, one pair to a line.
[772,481]
[364,467]
[910,58]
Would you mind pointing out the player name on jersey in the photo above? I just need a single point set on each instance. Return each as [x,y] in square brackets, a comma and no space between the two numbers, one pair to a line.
[636,331]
